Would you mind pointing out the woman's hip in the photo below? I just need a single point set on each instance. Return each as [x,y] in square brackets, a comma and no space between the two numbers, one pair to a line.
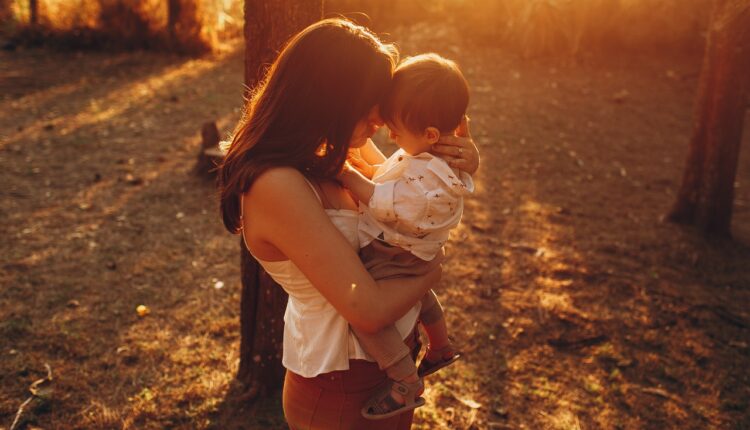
[334,400]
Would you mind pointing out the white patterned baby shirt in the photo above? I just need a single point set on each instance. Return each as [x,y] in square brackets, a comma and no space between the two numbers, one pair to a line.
[417,200]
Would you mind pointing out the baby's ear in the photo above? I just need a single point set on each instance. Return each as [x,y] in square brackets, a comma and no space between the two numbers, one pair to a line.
[432,134]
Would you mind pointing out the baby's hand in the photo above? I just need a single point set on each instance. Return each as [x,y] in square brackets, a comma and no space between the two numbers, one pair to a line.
[357,162]
[361,187]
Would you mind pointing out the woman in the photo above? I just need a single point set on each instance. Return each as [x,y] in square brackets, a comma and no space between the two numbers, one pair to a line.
[319,98]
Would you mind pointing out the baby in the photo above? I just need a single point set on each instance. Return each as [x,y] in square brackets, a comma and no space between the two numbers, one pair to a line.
[408,204]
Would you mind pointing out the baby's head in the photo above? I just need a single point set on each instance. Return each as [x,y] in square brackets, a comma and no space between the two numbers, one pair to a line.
[428,98]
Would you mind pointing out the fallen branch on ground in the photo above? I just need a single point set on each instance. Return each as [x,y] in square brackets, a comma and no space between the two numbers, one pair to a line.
[39,389]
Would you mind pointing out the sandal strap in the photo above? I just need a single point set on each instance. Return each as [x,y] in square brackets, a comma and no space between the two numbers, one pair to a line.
[400,388]
[386,404]
[446,347]
[428,367]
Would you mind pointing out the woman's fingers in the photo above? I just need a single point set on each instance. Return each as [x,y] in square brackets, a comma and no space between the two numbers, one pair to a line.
[456,162]
[448,149]
[457,156]
[452,141]
[459,150]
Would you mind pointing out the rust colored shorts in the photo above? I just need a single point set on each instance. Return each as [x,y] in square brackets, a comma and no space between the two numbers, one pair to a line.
[333,401]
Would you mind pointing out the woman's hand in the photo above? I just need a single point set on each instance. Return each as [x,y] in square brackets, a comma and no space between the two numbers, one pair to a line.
[459,150]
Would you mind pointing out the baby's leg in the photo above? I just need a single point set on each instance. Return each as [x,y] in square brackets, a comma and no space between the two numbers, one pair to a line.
[433,320]
[389,351]
[440,351]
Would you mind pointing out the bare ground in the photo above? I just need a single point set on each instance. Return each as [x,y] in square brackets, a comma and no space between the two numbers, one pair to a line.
[576,306]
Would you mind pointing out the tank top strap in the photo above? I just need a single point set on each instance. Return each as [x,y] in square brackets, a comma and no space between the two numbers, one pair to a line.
[322,198]
[242,210]
[315,190]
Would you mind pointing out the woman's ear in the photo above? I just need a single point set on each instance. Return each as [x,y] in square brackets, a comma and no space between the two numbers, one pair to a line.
[432,134]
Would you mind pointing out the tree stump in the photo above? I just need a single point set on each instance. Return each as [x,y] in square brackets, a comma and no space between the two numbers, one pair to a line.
[209,155]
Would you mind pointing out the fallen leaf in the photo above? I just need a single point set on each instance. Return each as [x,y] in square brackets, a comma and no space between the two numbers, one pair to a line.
[473,404]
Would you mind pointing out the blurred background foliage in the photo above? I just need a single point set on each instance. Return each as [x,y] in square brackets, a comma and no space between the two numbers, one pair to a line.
[183,26]
[530,27]
[551,27]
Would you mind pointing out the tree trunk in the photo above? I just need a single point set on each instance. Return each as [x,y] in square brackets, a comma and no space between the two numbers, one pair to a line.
[184,27]
[5,12]
[33,12]
[173,16]
[268,24]
[707,192]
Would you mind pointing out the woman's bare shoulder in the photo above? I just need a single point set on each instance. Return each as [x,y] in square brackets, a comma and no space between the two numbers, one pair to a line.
[280,190]
[280,179]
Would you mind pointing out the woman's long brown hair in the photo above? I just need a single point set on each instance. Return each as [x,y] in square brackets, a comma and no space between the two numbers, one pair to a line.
[326,79]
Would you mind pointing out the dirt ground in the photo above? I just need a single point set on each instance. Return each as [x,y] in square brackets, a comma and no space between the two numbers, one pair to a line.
[576,306]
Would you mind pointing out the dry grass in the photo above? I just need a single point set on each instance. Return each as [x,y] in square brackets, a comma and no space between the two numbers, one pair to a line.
[114,221]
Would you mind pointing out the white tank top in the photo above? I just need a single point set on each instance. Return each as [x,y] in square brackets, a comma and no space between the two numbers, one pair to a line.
[317,339]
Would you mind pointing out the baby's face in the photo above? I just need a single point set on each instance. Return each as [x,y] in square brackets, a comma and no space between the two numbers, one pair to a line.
[407,140]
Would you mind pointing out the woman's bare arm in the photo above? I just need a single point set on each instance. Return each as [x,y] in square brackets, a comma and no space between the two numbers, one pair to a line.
[281,210]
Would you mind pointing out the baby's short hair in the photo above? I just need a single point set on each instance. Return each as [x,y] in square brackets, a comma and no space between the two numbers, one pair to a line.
[427,91]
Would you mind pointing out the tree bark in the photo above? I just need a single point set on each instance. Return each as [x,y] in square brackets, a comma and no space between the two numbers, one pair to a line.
[706,195]
[184,27]
[173,16]
[5,12]
[33,12]
[268,24]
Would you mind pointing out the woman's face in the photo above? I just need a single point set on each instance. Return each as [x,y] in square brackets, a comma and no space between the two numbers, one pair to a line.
[365,128]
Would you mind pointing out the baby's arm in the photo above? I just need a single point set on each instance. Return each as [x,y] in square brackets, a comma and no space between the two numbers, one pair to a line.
[372,154]
[357,183]
[366,159]
[356,160]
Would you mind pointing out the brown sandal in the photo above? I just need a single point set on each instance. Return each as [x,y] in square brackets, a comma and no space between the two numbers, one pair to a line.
[428,367]
[382,405]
